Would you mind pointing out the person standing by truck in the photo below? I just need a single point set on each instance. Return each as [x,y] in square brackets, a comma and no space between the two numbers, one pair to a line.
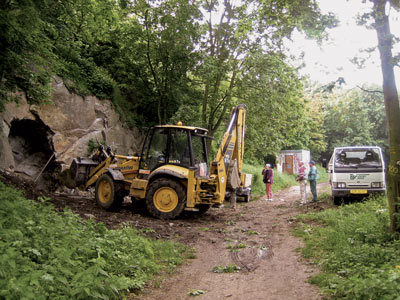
[312,178]
[268,179]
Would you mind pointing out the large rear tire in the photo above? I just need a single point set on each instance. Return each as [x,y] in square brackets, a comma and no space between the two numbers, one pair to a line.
[109,193]
[165,198]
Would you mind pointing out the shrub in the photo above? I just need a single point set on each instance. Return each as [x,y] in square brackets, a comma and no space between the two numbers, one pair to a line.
[45,255]
[358,257]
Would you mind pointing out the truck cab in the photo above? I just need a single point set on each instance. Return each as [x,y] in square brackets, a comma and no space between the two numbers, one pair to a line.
[356,172]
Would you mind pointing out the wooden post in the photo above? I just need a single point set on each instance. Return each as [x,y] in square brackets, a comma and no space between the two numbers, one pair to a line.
[44,168]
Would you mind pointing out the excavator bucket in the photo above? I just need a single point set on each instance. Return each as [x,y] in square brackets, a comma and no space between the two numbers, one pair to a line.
[78,173]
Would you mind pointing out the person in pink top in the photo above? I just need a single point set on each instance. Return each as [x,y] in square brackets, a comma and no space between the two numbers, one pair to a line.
[302,179]
[268,179]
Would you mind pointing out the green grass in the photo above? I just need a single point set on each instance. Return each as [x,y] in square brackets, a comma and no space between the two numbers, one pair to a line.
[236,247]
[47,255]
[323,175]
[230,268]
[359,259]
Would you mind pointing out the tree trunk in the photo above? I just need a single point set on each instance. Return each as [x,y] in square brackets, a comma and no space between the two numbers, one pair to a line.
[392,111]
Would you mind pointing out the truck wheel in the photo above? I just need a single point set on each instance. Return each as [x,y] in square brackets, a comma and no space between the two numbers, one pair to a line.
[109,194]
[165,198]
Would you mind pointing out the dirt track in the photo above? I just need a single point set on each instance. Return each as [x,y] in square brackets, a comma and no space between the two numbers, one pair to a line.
[270,267]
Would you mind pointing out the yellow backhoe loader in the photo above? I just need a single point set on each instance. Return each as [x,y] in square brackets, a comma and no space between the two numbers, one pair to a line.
[172,173]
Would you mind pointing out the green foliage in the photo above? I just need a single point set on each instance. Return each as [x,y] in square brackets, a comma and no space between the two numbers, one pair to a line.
[94,145]
[204,229]
[38,43]
[323,175]
[325,196]
[252,232]
[230,268]
[236,247]
[161,62]
[314,131]
[355,118]
[151,55]
[285,15]
[276,117]
[196,292]
[25,51]
[241,61]
[46,255]
[358,257]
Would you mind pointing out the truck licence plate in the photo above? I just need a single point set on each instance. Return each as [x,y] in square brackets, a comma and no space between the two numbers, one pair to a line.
[358,191]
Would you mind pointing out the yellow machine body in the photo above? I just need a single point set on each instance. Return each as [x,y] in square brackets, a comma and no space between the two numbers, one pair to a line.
[172,173]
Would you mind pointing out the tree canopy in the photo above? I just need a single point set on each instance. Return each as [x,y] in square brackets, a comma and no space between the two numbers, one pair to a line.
[160,61]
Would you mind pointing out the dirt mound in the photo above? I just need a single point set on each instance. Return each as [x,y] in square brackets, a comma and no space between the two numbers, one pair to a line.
[28,186]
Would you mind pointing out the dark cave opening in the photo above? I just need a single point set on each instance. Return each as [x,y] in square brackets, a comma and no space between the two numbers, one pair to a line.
[32,147]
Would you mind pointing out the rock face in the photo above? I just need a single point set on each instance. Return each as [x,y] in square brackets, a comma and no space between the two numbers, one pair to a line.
[57,132]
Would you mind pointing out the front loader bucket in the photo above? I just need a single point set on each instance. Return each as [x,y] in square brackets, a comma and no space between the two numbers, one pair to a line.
[78,173]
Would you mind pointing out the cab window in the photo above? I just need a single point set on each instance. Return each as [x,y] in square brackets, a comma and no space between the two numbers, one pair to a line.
[179,148]
[155,149]
[200,155]
[358,158]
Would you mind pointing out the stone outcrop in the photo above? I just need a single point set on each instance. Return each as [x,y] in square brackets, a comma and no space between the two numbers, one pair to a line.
[31,134]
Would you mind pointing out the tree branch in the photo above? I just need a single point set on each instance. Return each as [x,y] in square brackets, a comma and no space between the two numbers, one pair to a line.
[369,91]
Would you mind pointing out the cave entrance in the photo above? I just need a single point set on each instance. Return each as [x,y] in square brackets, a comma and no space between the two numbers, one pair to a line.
[32,147]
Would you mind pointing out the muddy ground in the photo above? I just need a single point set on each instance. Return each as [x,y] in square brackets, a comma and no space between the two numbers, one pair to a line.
[256,237]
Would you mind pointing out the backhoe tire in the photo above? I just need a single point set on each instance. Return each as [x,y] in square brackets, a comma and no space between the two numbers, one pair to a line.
[166,198]
[109,193]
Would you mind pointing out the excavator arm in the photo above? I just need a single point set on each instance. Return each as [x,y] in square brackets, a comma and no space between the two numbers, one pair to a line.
[231,147]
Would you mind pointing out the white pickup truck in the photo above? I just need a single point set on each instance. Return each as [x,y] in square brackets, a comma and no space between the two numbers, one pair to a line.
[356,171]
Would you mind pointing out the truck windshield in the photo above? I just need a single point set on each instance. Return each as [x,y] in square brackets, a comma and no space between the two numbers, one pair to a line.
[358,158]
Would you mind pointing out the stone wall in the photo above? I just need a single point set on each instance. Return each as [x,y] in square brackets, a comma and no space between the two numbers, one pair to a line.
[31,134]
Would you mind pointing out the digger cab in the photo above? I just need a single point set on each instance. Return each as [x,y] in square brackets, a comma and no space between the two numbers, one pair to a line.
[181,146]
